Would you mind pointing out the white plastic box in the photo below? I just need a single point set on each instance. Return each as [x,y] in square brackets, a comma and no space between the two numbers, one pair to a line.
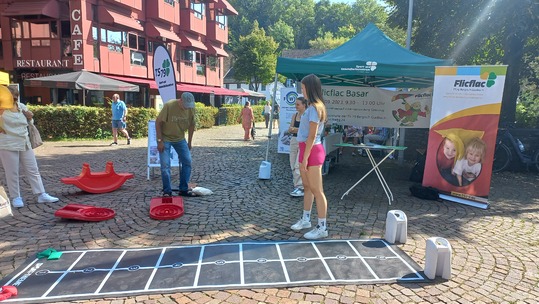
[438,258]
[396,227]
[265,170]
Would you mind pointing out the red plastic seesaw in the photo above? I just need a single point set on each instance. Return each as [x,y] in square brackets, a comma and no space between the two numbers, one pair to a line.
[98,182]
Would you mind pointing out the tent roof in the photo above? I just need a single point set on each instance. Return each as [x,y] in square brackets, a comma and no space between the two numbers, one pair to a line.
[81,80]
[368,59]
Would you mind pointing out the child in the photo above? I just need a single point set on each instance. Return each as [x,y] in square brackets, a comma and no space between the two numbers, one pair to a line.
[449,152]
[469,166]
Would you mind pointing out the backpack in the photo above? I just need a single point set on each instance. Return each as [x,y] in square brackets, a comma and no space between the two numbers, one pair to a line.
[428,193]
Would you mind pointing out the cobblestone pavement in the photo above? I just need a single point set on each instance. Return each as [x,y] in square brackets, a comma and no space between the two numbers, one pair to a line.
[495,251]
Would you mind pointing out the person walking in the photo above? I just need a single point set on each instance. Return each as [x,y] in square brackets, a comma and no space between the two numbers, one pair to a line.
[119,116]
[176,118]
[267,113]
[247,119]
[276,111]
[301,106]
[311,157]
[15,150]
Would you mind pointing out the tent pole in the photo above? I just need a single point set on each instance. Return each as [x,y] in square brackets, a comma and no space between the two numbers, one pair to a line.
[83,97]
[402,131]
[271,115]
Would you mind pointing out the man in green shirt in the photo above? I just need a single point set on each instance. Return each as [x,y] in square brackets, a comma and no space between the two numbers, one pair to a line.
[176,117]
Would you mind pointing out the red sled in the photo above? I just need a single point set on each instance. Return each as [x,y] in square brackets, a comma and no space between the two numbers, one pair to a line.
[85,213]
[98,182]
[166,208]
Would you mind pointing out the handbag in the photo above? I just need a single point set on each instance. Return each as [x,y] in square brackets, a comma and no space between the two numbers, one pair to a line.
[35,137]
[5,207]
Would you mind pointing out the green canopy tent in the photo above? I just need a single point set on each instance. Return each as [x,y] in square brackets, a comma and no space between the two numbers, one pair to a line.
[368,59]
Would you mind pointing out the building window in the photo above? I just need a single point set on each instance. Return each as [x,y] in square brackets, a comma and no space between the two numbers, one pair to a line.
[201,64]
[213,63]
[198,9]
[95,37]
[138,58]
[133,41]
[171,2]
[187,57]
[65,26]
[141,44]
[95,15]
[263,87]
[221,21]
[17,48]
[114,39]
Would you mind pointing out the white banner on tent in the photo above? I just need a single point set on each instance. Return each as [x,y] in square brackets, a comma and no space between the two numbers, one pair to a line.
[369,106]
[153,154]
[287,106]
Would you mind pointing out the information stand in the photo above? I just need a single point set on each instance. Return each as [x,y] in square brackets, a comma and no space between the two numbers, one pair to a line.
[153,154]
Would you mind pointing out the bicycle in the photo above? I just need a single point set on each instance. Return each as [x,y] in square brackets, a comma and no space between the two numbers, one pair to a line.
[503,157]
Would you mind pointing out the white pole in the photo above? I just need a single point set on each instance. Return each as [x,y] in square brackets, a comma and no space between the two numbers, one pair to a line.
[271,115]
[402,131]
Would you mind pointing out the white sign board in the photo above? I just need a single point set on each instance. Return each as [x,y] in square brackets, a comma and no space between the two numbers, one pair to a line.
[287,109]
[153,154]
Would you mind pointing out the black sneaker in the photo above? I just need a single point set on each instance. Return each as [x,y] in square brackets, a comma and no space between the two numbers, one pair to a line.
[114,143]
[129,141]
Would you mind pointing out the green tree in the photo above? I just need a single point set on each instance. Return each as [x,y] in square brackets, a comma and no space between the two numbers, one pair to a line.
[327,42]
[477,32]
[255,58]
[283,34]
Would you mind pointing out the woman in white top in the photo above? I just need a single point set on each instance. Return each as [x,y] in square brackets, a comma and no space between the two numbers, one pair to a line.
[301,106]
[311,157]
[267,113]
[15,149]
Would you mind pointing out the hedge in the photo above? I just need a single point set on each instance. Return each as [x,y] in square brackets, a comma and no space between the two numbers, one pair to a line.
[79,122]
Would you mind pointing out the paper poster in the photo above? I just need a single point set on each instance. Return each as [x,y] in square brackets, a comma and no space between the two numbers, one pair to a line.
[368,106]
[462,136]
[163,71]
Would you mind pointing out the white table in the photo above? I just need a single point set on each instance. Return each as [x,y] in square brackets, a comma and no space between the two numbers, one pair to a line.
[375,165]
[330,141]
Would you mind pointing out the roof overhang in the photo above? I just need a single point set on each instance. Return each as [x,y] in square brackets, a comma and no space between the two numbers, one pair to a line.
[48,8]
[227,7]
[156,31]
[189,41]
[108,16]
[216,50]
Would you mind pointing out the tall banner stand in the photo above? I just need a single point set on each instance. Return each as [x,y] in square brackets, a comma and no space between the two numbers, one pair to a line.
[165,79]
[462,137]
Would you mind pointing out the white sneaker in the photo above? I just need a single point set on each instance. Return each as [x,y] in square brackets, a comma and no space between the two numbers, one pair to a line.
[17,202]
[297,192]
[46,198]
[316,233]
[301,224]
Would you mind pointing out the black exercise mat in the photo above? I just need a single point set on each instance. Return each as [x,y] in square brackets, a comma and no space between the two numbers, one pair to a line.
[100,273]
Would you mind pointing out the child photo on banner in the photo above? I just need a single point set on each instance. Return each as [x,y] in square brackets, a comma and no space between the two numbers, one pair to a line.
[462,137]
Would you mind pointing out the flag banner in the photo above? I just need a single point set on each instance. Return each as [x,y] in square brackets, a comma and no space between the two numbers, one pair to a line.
[164,75]
[462,137]
[287,109]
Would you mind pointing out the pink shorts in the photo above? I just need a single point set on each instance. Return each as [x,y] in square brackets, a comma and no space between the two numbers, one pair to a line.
[317,157]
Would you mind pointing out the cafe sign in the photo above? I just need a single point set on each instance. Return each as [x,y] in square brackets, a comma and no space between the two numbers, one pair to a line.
[76,32]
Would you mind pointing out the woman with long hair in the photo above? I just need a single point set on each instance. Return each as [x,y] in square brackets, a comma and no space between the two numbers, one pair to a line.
[301,106]
[311,157]
[247,118]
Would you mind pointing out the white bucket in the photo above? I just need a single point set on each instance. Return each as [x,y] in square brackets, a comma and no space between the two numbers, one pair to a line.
[265,170]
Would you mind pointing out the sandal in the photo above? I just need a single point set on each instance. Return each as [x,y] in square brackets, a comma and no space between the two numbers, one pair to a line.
[187,193]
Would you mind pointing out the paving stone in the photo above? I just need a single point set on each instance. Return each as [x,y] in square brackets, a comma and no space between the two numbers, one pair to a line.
[495,256]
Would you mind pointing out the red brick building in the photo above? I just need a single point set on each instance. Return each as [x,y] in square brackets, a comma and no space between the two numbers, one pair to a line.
[115,38]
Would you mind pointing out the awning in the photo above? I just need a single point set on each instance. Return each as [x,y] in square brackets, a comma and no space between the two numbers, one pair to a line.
[155,31]
[183,87]
[229,9]
[111,17]
[215,50]
[49,8]
[149,82]
[188,41]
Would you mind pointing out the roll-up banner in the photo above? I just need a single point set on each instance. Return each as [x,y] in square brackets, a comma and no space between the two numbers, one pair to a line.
[466,107]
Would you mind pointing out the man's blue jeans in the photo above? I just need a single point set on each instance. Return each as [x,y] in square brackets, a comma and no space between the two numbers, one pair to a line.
[185,164]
